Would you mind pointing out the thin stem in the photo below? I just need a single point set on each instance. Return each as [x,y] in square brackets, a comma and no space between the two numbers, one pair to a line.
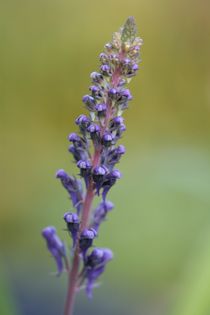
[72,284]
[73,274]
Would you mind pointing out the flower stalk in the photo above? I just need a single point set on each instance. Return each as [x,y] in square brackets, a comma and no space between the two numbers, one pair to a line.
[99,133]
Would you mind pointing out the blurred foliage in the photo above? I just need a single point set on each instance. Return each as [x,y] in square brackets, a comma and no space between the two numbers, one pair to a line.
[160,228]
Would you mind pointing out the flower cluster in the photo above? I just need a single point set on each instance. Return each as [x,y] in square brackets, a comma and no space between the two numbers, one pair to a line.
[96,153]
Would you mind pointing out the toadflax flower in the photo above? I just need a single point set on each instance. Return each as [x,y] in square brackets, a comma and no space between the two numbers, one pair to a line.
[96,151]
[55,246]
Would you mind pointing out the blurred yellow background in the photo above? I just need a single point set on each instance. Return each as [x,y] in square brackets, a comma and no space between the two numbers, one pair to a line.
[160,228]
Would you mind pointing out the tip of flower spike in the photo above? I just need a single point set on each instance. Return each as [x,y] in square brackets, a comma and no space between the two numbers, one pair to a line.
[129,30]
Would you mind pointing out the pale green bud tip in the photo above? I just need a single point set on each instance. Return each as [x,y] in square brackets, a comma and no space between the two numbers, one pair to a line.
[129,30]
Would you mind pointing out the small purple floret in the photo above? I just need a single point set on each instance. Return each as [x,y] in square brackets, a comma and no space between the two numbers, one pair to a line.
[100,213]
[55,246]
[93,128]
[73,222]
[107,138]
[86,239]
[95,266]
[73,137]
[101,107]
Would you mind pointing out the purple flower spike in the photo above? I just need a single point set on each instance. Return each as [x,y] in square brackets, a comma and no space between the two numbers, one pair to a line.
[95,152]
[55,246]
[72,221]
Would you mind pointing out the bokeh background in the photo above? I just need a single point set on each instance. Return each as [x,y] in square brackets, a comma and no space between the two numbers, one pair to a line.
[160,228]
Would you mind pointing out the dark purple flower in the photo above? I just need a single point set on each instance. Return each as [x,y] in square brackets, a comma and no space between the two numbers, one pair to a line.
[116,124]
[73,137]
[100,107]
[114,155]
[84,165]
[94,89]
[93,128]
[74,188]
[120,149]
[85,169]
[99,173]
[107,139]
[112,93]
[89,101]
[118,120]
[83,122]
[100,213]
[95,266]
[73,222]
[119,131]
[78,142]
[126,95]
[78,152]
[94,131]
[110,181]
[97,92]
[106,70]
[55,246]
[86,240]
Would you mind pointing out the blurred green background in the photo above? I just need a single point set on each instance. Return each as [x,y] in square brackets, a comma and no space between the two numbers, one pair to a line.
[160,228]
